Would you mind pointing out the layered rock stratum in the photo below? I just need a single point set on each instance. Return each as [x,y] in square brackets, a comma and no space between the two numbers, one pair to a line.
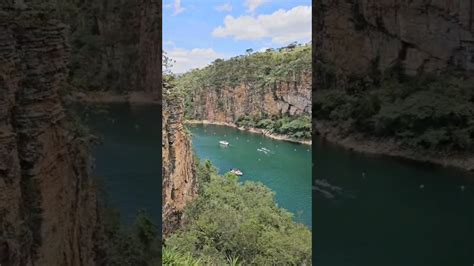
[48,206]
[178,172]
[228,104]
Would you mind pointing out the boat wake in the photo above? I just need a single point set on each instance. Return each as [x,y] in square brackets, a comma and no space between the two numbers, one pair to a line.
[327,190]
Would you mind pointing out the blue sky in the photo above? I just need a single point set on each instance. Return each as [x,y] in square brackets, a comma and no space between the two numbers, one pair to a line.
[197,32]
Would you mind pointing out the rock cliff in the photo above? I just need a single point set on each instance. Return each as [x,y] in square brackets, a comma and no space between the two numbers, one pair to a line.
[47,201]
[357,37]
[115,44]
[270,84]
[178,172]
[396,77]
[228,104]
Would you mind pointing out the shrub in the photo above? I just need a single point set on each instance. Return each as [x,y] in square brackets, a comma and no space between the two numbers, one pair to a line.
[232,220]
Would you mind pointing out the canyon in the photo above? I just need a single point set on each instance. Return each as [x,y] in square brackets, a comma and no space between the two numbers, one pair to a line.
[49,210]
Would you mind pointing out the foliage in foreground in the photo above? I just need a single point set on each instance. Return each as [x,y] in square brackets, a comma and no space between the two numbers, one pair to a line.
[427,112]
[139,245]
[232,221]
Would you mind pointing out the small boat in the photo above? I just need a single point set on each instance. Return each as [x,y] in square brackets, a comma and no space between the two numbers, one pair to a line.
[236,171]
[224,143]
[265,149]
[262,150]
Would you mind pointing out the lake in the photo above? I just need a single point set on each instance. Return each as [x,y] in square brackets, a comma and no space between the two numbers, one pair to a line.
[380,210]
[390,211]
[286,169]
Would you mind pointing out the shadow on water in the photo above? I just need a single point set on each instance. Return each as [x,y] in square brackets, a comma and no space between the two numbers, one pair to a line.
[377,210]
[128,160]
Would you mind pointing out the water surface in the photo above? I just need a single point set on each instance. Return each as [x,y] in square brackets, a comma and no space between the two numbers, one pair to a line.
[286,169]
[391,211]
[128,162]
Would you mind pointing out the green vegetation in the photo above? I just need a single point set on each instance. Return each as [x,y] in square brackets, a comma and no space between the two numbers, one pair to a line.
[298,127]
[260,69]
[427,112]
[232,222]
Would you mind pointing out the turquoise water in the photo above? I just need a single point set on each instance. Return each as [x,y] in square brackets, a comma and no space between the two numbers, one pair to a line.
[391,212]
[286,169]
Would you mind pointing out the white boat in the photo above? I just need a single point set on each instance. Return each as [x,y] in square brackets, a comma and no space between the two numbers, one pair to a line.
[265,149]
[224,143]
[262,150]
[236,171]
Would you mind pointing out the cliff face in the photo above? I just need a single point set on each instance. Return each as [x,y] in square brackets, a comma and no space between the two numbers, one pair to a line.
[149,46]
[115,45]
[230,103]
[47,203]
[359,36]
[178,173]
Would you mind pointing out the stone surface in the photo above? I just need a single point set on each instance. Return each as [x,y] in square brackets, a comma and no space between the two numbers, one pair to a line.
[48,209]
[229,104]
[355,36]
[178,172]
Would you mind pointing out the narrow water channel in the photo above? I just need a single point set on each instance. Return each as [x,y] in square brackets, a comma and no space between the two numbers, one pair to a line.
[128,162]
[285,167]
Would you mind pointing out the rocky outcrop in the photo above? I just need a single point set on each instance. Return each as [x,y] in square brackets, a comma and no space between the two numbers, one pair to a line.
[228,104]
[356,37]
[178,172]
[47,201]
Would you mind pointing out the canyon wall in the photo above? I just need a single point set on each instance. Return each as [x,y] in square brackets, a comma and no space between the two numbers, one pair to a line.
[178,172]
[357,37]
[48,208]
[228,104]
[116,45]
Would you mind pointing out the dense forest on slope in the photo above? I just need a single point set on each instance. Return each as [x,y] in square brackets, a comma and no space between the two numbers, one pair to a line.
[260,69]
[426,112]
[253,89]
[231,222]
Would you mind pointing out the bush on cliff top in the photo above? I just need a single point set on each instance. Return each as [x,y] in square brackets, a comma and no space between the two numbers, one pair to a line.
[298,127]
[258,69]
[231,220]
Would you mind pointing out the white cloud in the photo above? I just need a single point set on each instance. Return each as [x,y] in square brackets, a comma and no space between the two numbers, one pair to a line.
[252,5]
[186,60]
[168,43]
[227,7]
[282,26]
[177,7]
